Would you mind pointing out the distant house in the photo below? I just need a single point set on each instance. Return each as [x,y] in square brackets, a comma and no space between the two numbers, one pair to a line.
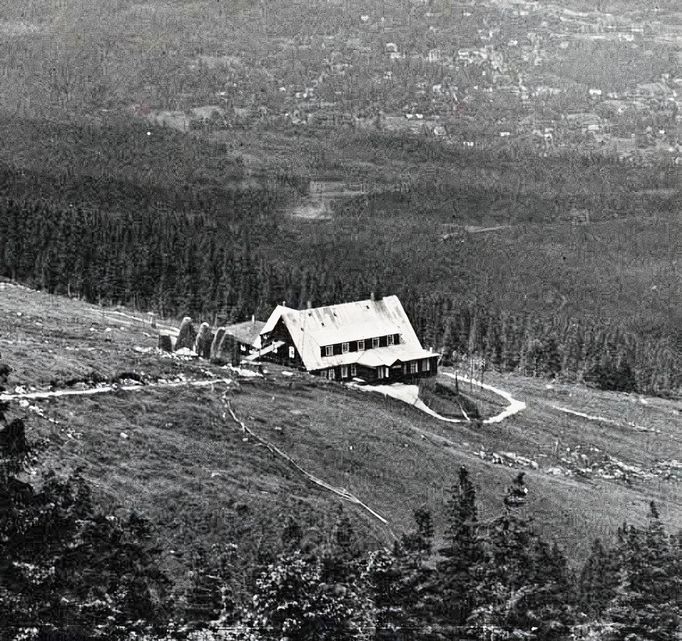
[247,334]
[372,340]
[236,341]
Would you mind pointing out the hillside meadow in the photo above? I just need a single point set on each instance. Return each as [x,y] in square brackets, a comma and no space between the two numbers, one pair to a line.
[174,455]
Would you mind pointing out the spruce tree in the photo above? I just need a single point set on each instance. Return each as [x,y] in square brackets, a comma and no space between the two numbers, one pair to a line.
[386,588]
[460,553]
[293,601]
[203,601]
[417,589]
[523,584]
[648,601]
[598,580]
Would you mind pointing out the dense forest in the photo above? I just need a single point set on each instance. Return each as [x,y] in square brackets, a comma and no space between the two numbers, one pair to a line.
[182,224]
[207,266]
[71,571]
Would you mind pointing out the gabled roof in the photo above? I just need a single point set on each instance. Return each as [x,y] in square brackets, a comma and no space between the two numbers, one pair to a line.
[312,329]
[247,332]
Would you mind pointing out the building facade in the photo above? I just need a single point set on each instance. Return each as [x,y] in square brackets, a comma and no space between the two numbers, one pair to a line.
[370,340]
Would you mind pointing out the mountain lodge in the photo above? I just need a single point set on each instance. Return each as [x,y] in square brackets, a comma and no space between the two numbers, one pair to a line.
[372,340]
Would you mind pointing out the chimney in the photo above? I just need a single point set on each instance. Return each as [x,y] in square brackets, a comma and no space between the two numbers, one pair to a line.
[253,318]
[308,304]
[371,296]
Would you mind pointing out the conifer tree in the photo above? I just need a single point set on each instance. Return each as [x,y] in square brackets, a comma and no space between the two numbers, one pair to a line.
[383,578]
[203,601]
[293,601]
[417,590]
[64,564]
[648,601]
[598,580]
[460,554]
[523,586]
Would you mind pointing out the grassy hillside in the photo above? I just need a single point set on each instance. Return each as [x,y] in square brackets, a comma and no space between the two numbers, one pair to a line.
[174,456]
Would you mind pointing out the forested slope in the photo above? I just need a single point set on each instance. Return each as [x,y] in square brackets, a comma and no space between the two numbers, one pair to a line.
[178,225]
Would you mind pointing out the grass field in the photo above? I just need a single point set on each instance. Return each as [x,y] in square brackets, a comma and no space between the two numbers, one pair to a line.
[200,480]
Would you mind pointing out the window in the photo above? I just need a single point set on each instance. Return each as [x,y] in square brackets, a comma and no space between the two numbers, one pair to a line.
[353,370]
[292,352]
[413,367]
[344,348]
[329,350]
[380,372]
[361,345]
[344,371]
[375,342]
[332,373]
[427,365]
[389,339]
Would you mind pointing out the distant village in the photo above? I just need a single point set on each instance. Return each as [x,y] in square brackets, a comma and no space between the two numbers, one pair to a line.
[509,82]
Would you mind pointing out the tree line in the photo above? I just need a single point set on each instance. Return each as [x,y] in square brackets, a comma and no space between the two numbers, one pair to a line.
[70,571]
[212,267]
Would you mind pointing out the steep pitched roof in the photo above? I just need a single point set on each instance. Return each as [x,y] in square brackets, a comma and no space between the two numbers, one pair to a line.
[312,329]
[247,332]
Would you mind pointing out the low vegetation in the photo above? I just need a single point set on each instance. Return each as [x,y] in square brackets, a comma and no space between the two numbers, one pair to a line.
[217,519]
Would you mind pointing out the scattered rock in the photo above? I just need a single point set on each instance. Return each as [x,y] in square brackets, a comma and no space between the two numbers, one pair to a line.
[165,343]
[215,353]
[203,341]
[186,336]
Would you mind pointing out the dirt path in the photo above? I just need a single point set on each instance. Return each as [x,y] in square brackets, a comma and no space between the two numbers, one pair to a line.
[410,394]
[603,419]
[108,389]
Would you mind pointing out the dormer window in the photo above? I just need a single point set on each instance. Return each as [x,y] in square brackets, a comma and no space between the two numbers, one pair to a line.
[389,339]
[361,345]
[344,348]
[375,343]
[329,350]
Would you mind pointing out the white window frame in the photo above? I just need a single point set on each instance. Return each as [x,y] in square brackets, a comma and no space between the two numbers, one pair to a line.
[380,372]
[353,369]
[344,371]
[332,374]
[292,352]
[361,345]
[427,365]
[413,367]
[345,347]
[389,339]
[375,342]
[329,350]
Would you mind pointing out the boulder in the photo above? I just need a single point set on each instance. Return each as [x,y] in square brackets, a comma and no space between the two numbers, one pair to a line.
[187,335]
[203,341]
[165,343]
[215,345]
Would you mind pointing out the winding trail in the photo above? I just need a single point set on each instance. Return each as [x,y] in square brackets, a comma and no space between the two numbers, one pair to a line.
[515,406]
[410,394]
[108,389]
[603,419]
